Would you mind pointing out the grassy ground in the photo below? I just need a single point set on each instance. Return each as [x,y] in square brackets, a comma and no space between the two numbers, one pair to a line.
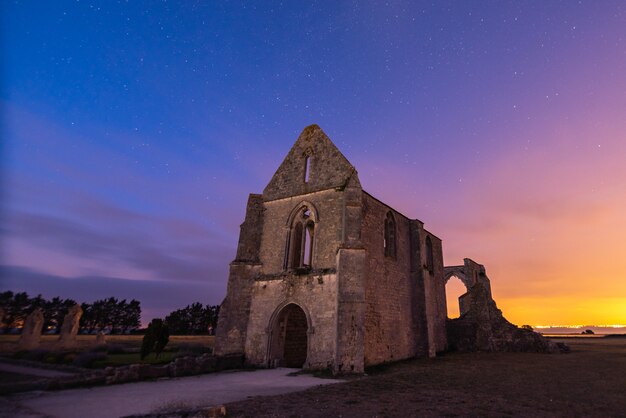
[588,382]
[122,349]
[8,343]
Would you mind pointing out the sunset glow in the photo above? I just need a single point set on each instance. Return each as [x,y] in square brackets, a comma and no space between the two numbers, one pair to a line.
[133,133]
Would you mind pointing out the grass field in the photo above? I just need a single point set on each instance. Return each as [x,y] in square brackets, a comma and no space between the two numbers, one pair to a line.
[588,382]
[8,343]
[122,350]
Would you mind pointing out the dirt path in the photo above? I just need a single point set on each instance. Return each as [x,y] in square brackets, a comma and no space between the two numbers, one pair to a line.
[160,395]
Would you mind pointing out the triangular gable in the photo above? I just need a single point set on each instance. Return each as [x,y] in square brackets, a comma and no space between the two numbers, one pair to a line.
[314,163]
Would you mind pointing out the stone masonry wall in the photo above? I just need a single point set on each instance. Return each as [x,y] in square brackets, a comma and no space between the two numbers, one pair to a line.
[316,294]
[328,168]
[327,236]
[390,292]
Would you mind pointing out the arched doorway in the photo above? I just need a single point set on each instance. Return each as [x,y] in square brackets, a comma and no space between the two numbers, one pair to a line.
[288,347]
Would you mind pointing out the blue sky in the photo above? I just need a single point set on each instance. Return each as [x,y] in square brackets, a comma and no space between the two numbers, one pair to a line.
[133,132]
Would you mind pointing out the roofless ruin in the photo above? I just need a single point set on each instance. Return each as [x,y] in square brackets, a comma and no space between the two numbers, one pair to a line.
[329,277]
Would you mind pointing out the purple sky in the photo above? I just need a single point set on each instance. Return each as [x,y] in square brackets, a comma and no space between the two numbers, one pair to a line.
[132,134]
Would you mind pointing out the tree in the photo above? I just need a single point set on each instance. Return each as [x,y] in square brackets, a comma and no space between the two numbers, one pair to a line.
[117,316]
[156,338]
[588,332]
[527,327]
[17,306]
[131,319]
[54,312]
[194,319]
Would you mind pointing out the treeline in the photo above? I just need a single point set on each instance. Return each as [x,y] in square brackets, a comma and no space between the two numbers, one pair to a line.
[110,315]
[107,315]
[194,319]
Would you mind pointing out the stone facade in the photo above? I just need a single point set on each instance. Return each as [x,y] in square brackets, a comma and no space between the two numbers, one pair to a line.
[327,276]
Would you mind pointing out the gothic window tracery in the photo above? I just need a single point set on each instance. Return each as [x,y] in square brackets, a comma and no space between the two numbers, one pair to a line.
[300,242]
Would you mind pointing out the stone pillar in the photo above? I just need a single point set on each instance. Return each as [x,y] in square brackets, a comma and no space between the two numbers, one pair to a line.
[31,331]
[350,354]
[70,326]
[232,323]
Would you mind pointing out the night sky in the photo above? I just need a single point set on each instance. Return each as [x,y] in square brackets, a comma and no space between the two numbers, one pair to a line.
[132,133]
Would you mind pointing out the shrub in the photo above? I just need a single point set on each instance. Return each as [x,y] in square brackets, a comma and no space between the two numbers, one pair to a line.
[88,358]
[102,348]
[33,355]
[156,338]
[189,349]
[116,349]
[68,358]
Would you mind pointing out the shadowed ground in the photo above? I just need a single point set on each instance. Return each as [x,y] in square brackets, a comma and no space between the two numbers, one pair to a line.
[589,381]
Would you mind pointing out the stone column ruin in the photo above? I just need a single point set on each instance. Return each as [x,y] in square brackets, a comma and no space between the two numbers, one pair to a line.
[31,331]
[70,326]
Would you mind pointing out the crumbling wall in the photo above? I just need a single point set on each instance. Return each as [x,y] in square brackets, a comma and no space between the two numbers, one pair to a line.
[482,327]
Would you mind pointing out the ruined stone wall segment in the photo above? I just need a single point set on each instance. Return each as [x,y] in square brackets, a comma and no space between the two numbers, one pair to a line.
[232,324]
[391,291]
[328,229]
[435,297]
[251,230]
[316,294]
[441,313]
[328,168]
[418,313]
[350,311]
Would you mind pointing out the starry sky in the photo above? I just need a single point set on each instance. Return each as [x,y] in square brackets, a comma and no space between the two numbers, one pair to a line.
[132,133]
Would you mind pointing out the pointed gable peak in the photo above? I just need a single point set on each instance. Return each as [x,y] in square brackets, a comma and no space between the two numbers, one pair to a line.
[314,163]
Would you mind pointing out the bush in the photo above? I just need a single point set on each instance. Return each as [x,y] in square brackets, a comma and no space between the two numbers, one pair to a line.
[32,355]
[68,358]
[88,358]
[102,348]
[116,349]
[156,338]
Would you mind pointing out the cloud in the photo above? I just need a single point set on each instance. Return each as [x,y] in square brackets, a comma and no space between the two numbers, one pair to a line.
[157,297]
[167,249]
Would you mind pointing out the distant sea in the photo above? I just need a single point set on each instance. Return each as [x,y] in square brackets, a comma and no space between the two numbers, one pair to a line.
[578,329]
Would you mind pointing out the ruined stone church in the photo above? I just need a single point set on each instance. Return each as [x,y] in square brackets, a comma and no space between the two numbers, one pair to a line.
[326,276]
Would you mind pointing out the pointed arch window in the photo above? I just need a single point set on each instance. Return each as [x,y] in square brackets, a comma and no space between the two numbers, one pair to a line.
[390,236]
[307,167]
[300,240]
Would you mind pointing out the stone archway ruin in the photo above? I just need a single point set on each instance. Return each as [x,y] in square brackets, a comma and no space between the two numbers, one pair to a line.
[288,337]
[481,326]
[468,279]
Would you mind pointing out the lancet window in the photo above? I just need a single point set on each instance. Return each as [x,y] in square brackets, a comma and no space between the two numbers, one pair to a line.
[300,240]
